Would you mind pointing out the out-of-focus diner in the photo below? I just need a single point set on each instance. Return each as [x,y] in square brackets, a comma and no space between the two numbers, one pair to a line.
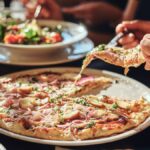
[74,74]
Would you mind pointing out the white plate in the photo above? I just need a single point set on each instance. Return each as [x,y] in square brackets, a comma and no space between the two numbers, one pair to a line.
[71,53]
[122,89]
[72,33]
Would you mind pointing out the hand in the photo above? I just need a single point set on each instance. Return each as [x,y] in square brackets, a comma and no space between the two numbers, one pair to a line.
[94,13]
[145,46]
[50,9]
[138,30]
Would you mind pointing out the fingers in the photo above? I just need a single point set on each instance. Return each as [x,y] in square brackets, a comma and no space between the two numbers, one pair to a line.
[129,41]
[136,25]
[145,46]
[120,28]
[50,10]
[30,10]
[131,45]
[45,13]
[147,65]
[128,25]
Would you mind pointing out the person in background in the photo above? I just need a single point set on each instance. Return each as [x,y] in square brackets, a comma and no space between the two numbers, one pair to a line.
[100,16]
[139,34]
[50,9]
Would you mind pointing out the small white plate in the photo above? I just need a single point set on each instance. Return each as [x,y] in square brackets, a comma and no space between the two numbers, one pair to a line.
[71,53]
[72,33]
[121,89]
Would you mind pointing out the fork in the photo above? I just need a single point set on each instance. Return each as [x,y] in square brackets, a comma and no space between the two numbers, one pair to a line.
[114,41]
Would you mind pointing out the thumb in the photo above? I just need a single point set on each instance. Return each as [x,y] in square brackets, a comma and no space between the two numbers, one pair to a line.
[147,66]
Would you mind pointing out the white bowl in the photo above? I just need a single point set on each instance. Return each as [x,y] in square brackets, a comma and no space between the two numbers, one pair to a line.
[72,33]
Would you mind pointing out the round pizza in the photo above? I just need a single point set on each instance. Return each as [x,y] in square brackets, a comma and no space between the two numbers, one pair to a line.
[52,106]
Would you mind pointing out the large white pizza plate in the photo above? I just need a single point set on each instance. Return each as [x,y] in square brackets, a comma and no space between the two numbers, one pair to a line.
[124,88]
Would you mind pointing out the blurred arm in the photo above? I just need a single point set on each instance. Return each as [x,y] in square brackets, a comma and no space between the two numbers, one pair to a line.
[130,10]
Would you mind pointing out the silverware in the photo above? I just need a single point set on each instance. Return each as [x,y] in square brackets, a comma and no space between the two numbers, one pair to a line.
[37,11]
[114,41]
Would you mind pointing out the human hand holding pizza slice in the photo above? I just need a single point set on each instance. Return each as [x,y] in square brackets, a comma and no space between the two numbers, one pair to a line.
[139,28]
[132,53]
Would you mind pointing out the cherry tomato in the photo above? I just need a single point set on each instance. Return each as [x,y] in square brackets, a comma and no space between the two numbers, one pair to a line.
[13,39]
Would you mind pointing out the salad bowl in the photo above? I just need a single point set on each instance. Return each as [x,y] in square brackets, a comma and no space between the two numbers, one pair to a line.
[71,33]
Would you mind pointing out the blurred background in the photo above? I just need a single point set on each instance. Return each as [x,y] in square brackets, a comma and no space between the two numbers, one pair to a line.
[99,16]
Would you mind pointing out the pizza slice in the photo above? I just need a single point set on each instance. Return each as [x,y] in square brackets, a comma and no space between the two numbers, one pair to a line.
[52,84]
[117,56]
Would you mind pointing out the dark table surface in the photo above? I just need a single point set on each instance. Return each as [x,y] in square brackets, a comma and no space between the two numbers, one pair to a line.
[140,141]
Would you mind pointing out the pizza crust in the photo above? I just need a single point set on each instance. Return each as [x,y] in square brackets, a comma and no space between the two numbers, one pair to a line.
[97,131]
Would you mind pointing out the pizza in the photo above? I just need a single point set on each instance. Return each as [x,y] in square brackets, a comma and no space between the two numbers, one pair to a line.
[117,56]
[51,105]
[53,84]
[79,118]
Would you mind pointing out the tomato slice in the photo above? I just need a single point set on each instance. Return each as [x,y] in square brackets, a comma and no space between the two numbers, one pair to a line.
[13,39]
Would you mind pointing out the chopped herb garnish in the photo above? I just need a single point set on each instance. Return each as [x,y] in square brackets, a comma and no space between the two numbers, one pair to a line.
[61,117]
[91,124]
[115,106]
[60,96]
[36,88]
[82,101]
[2,110]
[100,47]
[56,108]
[52,100]
[20,83]
[2,32]
[62,120]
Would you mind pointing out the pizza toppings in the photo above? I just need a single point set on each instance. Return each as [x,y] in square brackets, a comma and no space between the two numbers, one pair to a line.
[123,104]
[27,102]
[71,115]
[85,80]
[48,103]
[114,55]
[25,122]
[123,120]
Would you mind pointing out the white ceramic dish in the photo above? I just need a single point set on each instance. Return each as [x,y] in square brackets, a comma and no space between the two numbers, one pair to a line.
[72,33]
[121,89]
[68,54]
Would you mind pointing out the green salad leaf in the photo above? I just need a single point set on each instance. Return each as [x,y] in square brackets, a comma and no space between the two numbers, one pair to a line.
[2,32]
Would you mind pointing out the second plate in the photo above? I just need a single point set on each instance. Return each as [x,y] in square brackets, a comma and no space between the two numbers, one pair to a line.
[71,53]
